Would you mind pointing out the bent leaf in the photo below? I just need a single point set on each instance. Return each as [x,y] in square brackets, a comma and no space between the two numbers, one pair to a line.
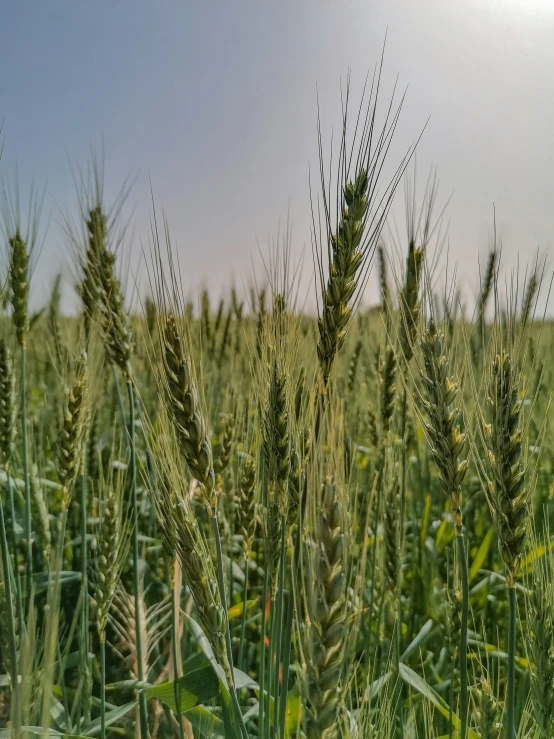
[416,682]
[111,717]
[198,686]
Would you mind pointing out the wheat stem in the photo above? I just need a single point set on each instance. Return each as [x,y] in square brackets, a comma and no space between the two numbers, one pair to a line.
[271,671]
[175,605]
[279,619]
[264,693]
[136,575]
[286,661]
[103,688]
[451,697]
[511,687]
[11,624]
[119,399]
[464,701]
[243,618]
[84,642]
[221,583]
[17,576]
[26,477]
[380,470]
[7,436]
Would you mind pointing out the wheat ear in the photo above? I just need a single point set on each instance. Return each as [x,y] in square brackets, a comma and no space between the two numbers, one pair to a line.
[183,405]
[89,288]
[72,431]
[409,301]
[19,286]
[346,259]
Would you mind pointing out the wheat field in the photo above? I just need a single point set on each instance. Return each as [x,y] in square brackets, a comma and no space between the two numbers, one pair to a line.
[244,519]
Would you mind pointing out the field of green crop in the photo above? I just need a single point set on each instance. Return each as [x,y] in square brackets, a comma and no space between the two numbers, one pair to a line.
[238,519]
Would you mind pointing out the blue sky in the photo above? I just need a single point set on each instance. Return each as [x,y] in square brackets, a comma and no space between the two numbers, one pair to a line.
[215,102]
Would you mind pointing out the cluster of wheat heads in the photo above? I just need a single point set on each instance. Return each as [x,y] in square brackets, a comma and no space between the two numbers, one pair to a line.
[245,521]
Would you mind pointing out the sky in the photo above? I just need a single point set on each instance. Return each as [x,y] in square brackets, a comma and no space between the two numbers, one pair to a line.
[212,107]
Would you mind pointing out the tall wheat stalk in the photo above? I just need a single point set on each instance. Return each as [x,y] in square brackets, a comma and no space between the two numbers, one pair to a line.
[8,425]
[11,624]
[440,390]
[183,407]
[112,549]
[103,298]
[19,290]
[507,496]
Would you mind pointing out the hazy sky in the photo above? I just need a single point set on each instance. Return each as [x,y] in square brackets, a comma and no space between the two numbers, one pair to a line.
[216,103]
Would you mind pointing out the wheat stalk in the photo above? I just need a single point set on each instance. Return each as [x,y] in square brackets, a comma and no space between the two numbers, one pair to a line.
[72,431]
[503,436]
[440,390]
[506,493]
[182,534]
[326,627]
[183,405]
[540,623]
